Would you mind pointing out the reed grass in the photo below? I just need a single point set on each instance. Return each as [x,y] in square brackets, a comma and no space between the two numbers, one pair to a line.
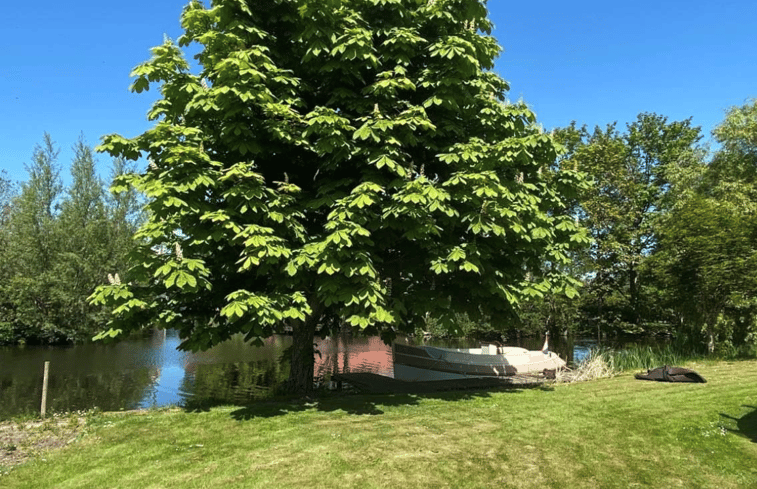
[645,357]
[593,367]
[608,362]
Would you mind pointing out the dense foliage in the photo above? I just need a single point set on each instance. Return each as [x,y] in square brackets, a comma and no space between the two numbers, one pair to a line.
[631,181]
[706,262]
[673,232]
[338,162]
[58,243]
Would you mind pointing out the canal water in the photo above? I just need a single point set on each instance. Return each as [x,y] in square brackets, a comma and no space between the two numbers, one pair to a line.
[151,372]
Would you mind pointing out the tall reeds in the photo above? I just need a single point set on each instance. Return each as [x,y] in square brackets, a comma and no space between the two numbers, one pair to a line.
[643,357]
[607,362]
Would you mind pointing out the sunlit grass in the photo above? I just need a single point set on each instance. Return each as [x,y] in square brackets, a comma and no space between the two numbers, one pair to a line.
[612,432]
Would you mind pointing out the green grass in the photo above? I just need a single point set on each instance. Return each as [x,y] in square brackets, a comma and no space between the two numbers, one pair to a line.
[614,432]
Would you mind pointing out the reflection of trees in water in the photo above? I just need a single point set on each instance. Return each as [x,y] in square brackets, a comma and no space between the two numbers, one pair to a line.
[342,354]
[236,349]
[124,375]
[109,391]
[107,376]
[226,374]
[232,383]
[242,382]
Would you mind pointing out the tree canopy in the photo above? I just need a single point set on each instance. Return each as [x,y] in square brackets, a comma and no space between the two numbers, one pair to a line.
[56,244]
[337,162]
[631,171]
[705,262]
[673,230]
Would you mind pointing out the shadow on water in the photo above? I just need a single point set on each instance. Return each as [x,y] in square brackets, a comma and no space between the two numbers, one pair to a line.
[232,383]
[746,425]
[362,404]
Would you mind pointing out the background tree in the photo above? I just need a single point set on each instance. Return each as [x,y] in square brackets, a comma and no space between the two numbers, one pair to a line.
[33,244]
[59,243]
[707,264]
[84,244]
[630,170]
[706,261]
[336,162]
[125,215]
[7,198]
[732,173]
[7,191]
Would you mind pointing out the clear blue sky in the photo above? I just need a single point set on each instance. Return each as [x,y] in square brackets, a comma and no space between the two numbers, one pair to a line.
[64,66]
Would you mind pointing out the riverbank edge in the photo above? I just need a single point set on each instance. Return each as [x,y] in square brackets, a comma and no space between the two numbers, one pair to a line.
[54,434]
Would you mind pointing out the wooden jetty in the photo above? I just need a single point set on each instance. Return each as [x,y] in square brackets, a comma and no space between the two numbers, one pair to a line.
[380,384]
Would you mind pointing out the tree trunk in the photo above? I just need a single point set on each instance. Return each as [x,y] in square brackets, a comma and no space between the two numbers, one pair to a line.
[302,359]
[633,292]
[710,340]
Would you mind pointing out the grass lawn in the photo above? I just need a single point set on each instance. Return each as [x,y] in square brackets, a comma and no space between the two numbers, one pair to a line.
[616,432]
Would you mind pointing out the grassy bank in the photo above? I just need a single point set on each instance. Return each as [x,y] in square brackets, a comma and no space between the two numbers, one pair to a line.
[616,432]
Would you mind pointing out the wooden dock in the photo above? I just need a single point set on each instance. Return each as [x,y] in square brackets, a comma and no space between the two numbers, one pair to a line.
[379,384]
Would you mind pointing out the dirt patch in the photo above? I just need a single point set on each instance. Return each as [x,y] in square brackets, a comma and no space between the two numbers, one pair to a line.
[23,440]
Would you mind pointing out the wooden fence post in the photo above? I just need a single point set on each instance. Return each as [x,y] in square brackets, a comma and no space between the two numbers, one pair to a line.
[44,388]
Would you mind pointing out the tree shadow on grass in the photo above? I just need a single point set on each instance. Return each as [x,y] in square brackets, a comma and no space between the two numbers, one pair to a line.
[359,403]
[746,425]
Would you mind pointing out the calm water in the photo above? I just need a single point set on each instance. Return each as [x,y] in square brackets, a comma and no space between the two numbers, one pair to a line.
[152,372]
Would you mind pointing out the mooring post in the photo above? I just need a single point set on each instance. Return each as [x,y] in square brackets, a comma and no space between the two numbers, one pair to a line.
[44,388]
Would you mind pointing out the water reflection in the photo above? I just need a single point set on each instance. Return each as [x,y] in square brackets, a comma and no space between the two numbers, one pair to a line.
[233,373]
[149,372]
[231,383]
[80,378]
[342,354]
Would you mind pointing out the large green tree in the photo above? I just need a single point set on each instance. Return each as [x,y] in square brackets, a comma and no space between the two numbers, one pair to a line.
[336,161]
[58,243]
[33,242]
[705,257]
[7,197]
[631,175]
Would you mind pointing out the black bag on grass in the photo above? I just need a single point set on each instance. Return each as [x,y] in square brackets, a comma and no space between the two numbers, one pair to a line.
[671,374]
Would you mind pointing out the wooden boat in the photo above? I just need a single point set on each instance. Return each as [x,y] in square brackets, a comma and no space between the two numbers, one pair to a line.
[419,363]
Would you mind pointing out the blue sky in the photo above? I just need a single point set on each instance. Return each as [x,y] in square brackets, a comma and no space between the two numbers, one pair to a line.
[64,66]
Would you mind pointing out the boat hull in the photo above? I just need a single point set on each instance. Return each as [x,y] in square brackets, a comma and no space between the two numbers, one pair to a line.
[422,363]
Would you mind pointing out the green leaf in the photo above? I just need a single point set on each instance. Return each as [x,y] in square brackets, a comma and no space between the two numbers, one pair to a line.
[469,267]
[110,333]
[570,292]
[364,132]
